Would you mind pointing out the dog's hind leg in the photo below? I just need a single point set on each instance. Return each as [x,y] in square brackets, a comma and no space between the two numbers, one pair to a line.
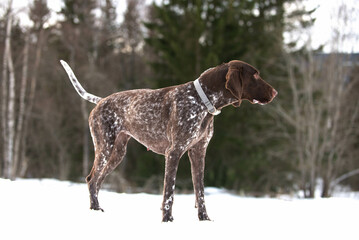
[92,179]
[108,157]
[117,155]
[103,135]
[101,158]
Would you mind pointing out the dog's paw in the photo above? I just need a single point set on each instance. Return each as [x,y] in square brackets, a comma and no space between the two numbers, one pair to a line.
[203,217]
[97,208]
[167,218]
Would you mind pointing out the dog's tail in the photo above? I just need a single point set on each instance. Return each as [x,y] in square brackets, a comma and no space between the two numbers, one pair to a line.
[80,90]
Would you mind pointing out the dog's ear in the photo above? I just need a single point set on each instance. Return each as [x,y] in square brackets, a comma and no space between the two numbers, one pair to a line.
[234,82]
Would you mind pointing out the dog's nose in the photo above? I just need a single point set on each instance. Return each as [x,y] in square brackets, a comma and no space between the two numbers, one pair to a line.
[275,93]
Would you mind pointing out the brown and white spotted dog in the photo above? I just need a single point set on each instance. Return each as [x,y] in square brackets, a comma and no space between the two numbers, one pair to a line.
[169,121]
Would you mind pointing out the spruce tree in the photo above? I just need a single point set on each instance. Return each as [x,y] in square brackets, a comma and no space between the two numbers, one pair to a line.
[187,37]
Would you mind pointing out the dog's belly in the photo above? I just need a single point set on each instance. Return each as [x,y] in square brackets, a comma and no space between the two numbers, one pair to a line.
[158,146]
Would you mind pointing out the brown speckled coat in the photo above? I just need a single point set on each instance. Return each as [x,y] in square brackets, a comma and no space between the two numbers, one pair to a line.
[169,121]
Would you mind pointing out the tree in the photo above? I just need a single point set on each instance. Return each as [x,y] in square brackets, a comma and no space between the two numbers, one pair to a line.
[8,100]
[15,131]
[39,14]
[108,35]
[20,137]
[79,33]
[132,36]
[188,37]
[322,118]
[321,133]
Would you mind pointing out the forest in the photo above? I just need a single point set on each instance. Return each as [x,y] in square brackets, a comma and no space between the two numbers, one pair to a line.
[307,137]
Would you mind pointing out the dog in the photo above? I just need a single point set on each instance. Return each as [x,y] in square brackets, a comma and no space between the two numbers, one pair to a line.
[169,121]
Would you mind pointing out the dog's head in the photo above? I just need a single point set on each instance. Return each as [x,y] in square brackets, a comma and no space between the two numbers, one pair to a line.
[244,83]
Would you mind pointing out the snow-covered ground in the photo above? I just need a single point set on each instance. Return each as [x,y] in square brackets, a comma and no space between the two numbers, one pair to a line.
[51,209]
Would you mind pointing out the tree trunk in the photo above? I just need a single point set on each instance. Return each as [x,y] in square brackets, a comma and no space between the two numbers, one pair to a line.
[325,189]
[64,165]
[8,101]
[32,93]
[22,106]
[11,116]
[4,88]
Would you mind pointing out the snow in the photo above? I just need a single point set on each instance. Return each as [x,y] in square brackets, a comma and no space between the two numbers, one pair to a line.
[52,209]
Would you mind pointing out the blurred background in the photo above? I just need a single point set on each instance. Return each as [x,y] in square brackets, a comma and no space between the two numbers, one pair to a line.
[306,139]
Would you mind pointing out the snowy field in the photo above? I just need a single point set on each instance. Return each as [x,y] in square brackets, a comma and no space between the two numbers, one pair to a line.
[51,209]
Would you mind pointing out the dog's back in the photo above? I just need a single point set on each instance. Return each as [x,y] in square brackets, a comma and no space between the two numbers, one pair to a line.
[149,116]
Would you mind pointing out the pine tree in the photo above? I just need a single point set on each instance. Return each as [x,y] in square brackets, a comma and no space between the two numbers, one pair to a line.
[187,37]
[175,34]
[132,36]
[108,34]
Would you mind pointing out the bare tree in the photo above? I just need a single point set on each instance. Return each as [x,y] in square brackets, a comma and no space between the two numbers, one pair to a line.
[4,93]
[341,105]
[321,118]
[79,37]
[302,119]
[341,117]
[39,14]
[19,137]
[15,115]
[8,98]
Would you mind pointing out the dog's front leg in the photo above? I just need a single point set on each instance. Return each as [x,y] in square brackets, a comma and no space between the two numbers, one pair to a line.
[171,165]
[197,158]
[197,165]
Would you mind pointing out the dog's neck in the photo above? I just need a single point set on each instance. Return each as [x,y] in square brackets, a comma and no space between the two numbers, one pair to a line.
[213,85]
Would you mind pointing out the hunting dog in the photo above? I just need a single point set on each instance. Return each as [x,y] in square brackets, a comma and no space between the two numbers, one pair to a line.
[169,121]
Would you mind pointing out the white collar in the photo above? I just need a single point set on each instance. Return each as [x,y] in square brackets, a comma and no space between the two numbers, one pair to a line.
[211,109]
